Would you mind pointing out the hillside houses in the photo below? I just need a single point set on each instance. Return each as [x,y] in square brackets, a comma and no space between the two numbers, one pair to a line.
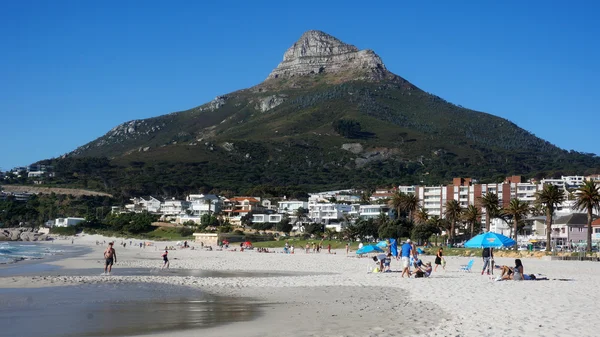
[337,209]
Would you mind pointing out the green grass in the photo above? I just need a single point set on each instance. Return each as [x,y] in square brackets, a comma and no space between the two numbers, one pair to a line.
[299,243]
[169,234]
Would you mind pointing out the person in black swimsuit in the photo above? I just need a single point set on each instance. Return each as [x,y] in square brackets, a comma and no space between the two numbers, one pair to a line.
[165,259]
[438,258]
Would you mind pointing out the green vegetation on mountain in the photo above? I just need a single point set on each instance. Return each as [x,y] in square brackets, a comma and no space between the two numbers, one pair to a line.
[314,129]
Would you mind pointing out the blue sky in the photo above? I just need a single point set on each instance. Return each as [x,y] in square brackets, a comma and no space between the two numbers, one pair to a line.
[72,70]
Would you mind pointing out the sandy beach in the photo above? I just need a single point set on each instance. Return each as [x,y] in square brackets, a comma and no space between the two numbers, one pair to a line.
[334,295]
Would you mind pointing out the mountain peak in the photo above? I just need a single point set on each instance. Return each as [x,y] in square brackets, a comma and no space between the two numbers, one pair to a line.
[317,52]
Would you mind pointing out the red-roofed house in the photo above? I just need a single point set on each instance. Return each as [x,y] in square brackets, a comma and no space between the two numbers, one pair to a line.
[236,207]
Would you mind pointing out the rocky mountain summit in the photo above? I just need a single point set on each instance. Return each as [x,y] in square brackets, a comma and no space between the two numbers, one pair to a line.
[319,53]
[329,116]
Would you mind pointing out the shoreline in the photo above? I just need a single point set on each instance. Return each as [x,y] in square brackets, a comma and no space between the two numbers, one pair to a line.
[448,303]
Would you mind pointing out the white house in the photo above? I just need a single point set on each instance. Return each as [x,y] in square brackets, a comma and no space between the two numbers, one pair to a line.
[291,206]
[174,207]
[144,204]
[372,211]
[201,204]
[267,218]
[67,222]
[327,212]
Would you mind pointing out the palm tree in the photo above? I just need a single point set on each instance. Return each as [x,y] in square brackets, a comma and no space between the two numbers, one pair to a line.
[490,203]
[209,202]
[410,205]
[550,196]
[452,214]
[517,210]
[471,215]
[299,213]
[421,216]
[397,203]
[587,197]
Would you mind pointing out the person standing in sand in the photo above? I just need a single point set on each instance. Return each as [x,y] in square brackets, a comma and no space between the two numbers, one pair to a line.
[165,259]
[347,249]
[110,257]
[406,253]
[438,259]
[487,254]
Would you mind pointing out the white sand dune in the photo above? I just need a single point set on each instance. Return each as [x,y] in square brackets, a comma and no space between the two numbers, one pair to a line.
[338,297]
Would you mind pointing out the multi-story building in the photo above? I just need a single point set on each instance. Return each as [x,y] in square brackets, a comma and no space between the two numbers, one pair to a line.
[236,207]
[291,206]
[327,212]
[466,192]
[144,204]
[174,207]
[372,211]
[201,204]
[565,183]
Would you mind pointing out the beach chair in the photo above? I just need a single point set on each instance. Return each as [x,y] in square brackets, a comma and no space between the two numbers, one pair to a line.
[468,266]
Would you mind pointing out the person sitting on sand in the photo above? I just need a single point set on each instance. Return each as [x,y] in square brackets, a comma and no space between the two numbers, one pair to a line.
[424,270]
[513,273]
[518,270]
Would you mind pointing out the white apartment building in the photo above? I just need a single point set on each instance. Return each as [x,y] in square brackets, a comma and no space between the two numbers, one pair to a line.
[326,212]
[201,204]
[372,211]
[174,207]
[291,206]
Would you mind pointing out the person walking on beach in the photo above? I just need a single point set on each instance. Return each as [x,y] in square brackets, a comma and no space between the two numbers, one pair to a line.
[110,256]
[438,259]
[406,253]
[487,254]
[165,259]
[347,249]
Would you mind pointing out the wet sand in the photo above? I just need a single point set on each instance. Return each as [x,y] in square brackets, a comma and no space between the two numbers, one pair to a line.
[116,310]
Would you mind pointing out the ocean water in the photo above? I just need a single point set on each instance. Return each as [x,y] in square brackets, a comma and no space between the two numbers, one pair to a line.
[14,251]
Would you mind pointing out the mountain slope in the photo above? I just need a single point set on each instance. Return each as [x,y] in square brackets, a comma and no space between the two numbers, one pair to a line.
[330,115]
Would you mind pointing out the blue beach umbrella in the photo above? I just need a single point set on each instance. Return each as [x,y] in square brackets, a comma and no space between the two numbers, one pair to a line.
[490,240]
[382,244]
[369,249]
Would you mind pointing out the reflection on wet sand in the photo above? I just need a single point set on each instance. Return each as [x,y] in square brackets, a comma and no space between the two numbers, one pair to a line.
[113,310]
